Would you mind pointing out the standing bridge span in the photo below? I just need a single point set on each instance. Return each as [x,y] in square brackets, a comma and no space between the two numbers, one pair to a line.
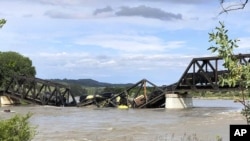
[203,74]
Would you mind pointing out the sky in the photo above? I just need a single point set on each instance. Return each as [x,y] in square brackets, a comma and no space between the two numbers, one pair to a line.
[116,41]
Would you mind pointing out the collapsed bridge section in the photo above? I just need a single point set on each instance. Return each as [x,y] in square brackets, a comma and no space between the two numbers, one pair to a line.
[37,91]
[143,94]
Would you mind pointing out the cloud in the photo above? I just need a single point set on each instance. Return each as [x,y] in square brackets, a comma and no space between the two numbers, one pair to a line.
[139,11]
[182,1]
[59,2]
[148,12]
[103,10]
[130,43]
[81,64]
[64,15]
[56,14]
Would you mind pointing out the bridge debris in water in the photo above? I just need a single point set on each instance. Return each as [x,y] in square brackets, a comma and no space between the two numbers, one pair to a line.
[143,94]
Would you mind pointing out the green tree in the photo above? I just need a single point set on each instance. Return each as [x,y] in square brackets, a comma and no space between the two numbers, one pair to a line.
[77,90]
[2,22]
[114,90]
[239,74]
[13,63]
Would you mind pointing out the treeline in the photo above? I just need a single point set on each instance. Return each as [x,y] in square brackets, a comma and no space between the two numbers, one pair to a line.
[89,83]
[79,90]
[90,86]
[219,94]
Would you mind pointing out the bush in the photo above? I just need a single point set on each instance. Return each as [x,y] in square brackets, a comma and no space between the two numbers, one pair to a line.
[17,128]
[239,73]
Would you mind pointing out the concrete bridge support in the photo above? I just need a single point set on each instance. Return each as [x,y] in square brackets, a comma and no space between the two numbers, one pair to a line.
[178,101]
[5,100]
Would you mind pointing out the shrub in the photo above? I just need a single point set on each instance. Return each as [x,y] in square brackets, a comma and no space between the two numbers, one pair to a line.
[239,73]
[17,128]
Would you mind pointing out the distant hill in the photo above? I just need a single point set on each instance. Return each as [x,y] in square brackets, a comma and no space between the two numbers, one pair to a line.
[88,83]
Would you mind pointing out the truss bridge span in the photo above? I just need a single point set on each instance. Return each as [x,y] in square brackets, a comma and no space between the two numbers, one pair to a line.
[202,74]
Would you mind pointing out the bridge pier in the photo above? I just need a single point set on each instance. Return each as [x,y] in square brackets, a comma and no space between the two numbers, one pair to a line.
[178,101]
[5,100]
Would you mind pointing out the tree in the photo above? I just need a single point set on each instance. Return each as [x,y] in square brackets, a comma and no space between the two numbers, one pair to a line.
[77,90]
[239,74]
[13,63]
[230,5]
[114,90]
[2,22]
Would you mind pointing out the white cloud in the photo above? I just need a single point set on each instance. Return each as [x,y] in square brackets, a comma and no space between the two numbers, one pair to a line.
[59,2]
[130,43]
[73,65]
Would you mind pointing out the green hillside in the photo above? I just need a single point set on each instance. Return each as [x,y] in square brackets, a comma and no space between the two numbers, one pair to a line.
[90,86]
[88,83]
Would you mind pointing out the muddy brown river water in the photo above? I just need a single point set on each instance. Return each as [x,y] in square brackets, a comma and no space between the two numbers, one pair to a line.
[207,120]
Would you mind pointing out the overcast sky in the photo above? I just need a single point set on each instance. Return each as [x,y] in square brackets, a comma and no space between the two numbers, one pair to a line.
[116,41]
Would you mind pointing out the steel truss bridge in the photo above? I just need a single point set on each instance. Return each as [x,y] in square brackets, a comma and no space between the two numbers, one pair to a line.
[202,74]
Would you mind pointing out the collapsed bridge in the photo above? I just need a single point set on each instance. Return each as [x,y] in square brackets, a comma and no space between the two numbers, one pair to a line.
[202,74]
[143,94]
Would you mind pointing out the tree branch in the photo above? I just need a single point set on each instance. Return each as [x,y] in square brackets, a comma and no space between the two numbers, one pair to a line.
[237,6]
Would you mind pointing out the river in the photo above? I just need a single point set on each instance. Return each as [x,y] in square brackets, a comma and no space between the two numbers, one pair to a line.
[208,119]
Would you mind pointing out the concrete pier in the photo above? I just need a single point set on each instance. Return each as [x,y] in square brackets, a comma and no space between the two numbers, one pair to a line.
[5,100]
[178,101]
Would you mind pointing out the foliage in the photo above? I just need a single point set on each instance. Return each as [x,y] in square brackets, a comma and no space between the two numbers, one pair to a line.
[77,90]
[13,63]
[17,128]
[239,74]
[2,22]
[88,83]
[114,90]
